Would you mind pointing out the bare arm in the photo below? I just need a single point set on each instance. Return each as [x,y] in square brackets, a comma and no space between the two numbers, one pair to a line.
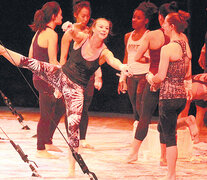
[65,44]
[163,66]
[98,79]
[108,56]
[126,37]
[53,47]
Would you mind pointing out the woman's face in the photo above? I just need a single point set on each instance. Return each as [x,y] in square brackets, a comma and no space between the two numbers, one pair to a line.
[167,27]
[139,20]
[58,18]
[83,16]
[101,29]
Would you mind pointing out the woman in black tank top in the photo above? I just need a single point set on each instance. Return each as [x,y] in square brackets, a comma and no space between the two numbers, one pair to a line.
[93,50]
[44,47]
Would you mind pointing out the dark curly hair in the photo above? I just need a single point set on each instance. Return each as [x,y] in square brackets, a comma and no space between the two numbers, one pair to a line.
[148,9]
[167,8]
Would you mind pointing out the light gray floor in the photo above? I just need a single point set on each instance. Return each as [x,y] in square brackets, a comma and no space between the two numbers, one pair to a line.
[111,144]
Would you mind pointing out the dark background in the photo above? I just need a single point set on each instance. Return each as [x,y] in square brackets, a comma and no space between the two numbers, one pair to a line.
[16,15]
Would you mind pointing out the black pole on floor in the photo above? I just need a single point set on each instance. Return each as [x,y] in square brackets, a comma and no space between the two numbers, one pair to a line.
[13,110]
[23,156]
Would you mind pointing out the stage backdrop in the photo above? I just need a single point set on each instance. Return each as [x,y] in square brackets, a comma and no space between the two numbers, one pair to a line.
[16,15]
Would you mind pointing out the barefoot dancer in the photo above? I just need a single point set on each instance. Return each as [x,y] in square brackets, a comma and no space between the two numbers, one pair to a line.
[89,52]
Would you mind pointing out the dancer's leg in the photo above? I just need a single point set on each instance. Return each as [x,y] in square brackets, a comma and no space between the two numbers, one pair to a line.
[149,104]
[88,96]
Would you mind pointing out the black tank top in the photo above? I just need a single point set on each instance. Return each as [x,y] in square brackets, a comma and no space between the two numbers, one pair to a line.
[39,53]
[78,69]
[42,55]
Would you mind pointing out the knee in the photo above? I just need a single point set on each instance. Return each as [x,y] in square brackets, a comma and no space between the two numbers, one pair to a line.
[170,140]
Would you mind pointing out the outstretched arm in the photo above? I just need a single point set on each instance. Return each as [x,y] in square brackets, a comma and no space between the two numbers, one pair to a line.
[10,55]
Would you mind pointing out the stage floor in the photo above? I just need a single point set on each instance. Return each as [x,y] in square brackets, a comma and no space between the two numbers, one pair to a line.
[109,133]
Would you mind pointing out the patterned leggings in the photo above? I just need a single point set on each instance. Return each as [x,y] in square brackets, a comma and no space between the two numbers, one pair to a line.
[72,92]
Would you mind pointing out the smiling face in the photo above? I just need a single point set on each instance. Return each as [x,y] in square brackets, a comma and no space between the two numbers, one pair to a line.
[139,20]
[101,28]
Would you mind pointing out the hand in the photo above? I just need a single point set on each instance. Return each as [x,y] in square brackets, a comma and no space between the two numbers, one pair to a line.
[125,70]
[189,94]
[122,87]
[67,26]
[98,83]
[57,94]
[149,77]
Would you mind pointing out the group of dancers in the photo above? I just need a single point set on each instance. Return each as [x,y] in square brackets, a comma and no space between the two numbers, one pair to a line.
[156,70]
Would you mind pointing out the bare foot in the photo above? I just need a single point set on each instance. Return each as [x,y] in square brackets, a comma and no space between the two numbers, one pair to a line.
[45,154]
[85,144]
[71,174]
[163,162]
[51,147]
[71,170]
[191,122]
[132,158]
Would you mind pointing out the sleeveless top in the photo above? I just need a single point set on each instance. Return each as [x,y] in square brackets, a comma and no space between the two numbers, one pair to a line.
[78,69]
[173,85]
[39,53]
[132,46]
[155,56]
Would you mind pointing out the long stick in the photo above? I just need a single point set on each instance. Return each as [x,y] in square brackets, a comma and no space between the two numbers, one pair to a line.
[23,156]
[13,110]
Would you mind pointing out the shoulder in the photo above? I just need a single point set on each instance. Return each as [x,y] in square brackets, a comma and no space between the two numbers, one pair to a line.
[51,34]
[155,34]
[127,35]
[67,36]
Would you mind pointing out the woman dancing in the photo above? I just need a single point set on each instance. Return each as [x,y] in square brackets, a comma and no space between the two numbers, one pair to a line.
[88,53]
[82,14]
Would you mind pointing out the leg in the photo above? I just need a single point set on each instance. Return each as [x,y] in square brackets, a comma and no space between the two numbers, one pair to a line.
[136,85]
[132,83]
[168,111]
[200,114]
[88,95]
[148,105]
[73,96]
[190,122]
[59,111]
[45,104]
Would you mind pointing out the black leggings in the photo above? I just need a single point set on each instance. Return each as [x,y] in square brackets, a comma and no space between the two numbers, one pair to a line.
[169,109]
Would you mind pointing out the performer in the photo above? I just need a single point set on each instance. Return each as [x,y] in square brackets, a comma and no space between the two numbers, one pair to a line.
[89,52]
[44,47]
[82,14]
[199,90]
[135,84]
[153,41]
[173,74]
